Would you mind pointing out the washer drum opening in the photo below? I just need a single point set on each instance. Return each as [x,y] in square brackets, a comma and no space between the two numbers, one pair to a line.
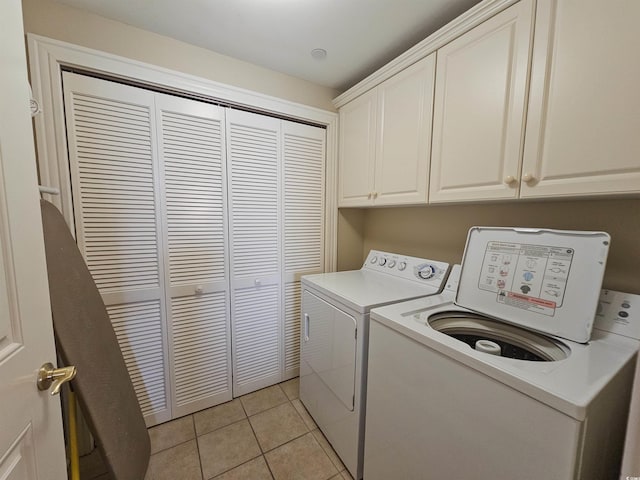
[516,343]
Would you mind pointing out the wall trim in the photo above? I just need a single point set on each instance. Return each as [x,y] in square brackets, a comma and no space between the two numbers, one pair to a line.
[47,59]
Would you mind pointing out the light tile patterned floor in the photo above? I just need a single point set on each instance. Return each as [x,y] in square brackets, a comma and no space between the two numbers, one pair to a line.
[266,434]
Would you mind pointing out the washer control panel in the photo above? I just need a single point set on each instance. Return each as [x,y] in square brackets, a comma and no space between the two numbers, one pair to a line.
[410,268]
[618,312]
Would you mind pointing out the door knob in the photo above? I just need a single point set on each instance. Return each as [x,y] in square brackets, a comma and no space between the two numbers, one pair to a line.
[48,375]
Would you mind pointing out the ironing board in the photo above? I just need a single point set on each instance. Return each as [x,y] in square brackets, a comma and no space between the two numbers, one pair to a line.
[85,338]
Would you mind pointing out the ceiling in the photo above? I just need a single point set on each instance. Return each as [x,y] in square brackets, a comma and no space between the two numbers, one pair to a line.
[359,36]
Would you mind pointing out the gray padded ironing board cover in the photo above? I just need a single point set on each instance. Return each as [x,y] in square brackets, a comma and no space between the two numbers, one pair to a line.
[85,338]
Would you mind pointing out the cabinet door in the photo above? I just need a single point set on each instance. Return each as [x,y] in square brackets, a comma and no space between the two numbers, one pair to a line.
[357,151]
[404,135]
[481,85]
[191,158]
[253,161]
[303,226]
[582,127]
[112,146]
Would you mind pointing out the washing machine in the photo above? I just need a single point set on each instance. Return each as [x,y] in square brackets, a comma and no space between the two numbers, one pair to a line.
[334,340]
[515,371]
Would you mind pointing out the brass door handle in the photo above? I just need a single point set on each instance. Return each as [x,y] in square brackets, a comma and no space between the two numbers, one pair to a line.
[48,375]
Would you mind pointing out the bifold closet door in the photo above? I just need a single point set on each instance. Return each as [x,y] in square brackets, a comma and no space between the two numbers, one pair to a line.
[303,161]
[112,150]
[196,222]
[192,160]
[253,151]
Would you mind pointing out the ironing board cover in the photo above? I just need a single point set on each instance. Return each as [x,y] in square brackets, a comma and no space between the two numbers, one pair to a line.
[85,338]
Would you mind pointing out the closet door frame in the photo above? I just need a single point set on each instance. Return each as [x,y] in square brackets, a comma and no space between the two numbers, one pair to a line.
[48,58]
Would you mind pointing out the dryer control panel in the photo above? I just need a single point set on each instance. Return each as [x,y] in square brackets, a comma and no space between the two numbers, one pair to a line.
[618,312]
[416,269]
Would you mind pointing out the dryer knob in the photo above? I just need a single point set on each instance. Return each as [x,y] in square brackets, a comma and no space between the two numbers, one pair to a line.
[391,264]
[382,262]
[374,260]
[426,272]
[402,266]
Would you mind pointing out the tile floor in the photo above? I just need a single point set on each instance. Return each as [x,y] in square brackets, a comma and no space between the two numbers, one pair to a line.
[266,434]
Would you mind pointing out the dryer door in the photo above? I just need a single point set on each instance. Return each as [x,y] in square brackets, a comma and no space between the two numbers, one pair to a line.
[328,350]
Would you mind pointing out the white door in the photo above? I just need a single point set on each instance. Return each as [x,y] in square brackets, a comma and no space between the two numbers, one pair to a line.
[478,114]
[191,152]
[303,227]
[357,151]
[111,134]
[404,135]
[582,126]
[329,344]
[253,152]
[31,442]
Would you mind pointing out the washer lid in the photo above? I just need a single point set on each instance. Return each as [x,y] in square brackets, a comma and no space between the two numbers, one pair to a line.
[541,279]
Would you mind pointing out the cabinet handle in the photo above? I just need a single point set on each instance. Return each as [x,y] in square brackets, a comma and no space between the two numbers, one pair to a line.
[369,196]
[199,290]
[528,178]
[375,194]
[306,327]
[509,179]
[257,282]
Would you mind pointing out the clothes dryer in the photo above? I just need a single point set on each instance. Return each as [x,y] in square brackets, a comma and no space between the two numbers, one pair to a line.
[335,334]
[470,384]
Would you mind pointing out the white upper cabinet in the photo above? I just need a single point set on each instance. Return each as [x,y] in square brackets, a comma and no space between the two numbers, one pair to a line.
[583,121]
[537,100]
[480,97]
[385,140]
[357,151]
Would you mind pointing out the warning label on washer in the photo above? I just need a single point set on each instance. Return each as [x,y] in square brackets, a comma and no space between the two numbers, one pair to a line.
[530,277]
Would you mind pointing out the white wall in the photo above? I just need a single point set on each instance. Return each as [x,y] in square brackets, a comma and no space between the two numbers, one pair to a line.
[440,232]
[60,22]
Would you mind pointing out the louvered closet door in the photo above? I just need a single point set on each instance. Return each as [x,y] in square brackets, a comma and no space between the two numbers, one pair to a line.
[303,178]
[193,168]
[253,162]
[111,139]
